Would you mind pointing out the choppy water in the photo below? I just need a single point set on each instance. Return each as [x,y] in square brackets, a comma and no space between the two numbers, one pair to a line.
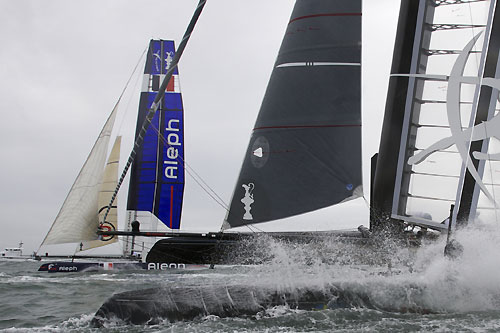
[417,292]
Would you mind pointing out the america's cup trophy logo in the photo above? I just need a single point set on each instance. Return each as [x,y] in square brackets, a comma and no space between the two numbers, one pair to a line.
[248,200]
[461,137]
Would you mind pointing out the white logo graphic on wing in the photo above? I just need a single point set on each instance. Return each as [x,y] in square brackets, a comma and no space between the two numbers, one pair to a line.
[461,138]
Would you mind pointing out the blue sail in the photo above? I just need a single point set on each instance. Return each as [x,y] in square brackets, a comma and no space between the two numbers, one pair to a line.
[157,176]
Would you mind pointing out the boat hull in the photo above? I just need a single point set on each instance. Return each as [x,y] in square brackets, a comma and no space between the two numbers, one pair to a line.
[176,303]
[236,248]
[76,267]
[186,303]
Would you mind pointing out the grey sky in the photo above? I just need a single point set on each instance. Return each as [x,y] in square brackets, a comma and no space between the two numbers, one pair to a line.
[64,64]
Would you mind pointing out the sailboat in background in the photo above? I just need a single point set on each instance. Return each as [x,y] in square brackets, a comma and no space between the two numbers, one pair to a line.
[156,183]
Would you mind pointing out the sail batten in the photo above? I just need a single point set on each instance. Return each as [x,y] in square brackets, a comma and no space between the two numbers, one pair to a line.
[305,150]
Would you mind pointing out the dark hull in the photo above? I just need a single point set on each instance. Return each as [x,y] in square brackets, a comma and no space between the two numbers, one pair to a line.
[151,306]
[186,303]
[74,267]
[236,248]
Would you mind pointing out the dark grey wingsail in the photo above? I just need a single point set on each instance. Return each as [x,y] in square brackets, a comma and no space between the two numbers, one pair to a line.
[305,150]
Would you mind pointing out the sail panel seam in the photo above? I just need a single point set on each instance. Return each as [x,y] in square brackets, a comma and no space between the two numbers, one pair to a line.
[304,126]
[323,15]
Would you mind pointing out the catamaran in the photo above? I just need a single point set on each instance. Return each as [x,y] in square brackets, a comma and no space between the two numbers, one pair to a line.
[437,165]
[305,150]
[157,181]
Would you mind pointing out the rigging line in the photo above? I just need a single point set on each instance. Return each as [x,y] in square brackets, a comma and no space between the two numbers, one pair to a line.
[495,208]
[76,250]
[190,170]
[143,247]
[252,227]
[489,162]
[366,201]
[156,102]
[472,32]
[256,228]
[211,192]
[135,85]
[222,204]
[226,206]
[478,66]
[480,72]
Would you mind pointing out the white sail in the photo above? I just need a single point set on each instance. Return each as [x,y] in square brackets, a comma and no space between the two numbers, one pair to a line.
[77,220]
[108,185]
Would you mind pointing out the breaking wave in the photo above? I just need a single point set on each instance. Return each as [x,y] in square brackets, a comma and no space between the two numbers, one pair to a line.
[330,275]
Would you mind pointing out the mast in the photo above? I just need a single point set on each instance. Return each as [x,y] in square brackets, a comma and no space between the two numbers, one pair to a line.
[387,159]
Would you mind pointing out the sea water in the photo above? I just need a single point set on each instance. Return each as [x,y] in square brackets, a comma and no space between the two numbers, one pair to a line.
[407,291]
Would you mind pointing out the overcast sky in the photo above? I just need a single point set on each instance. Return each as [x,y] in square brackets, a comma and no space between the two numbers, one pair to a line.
[64,64]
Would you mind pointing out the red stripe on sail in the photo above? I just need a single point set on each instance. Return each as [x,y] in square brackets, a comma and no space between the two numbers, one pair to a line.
[323,15]
[171,204]
[305,126]
[171,85]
